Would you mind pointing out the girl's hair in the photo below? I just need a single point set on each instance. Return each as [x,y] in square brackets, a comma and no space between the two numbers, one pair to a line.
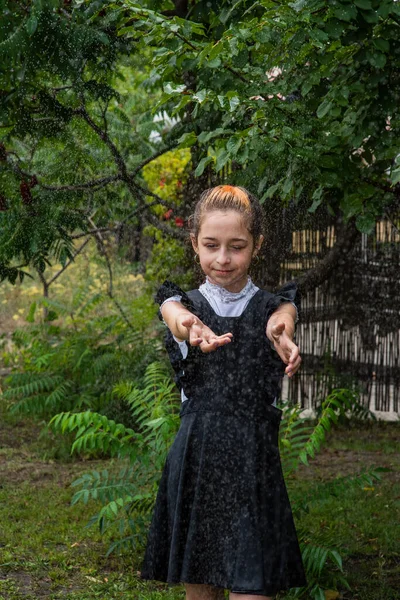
[229,197]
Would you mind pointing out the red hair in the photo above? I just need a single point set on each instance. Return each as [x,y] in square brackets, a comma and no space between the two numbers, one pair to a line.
[229,197]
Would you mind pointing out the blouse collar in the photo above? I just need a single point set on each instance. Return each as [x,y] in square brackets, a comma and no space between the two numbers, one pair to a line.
[209,289]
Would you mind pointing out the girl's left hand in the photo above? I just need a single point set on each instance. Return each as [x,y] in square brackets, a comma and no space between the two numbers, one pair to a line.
[286,348]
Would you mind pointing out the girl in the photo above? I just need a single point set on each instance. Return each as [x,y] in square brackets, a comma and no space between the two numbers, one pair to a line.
[222,518]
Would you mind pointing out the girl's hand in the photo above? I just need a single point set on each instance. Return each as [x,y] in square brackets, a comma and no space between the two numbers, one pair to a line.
[286,348]
[201,335]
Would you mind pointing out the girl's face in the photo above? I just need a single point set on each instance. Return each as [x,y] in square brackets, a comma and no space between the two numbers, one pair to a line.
[225,248]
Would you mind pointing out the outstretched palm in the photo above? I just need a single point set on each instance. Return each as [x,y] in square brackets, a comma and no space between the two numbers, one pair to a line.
[202,336]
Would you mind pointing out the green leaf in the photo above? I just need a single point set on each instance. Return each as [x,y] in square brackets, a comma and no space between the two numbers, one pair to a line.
[233,145]
[103,37]
[270,191]
[306,87]
[395,176]
[381,44]
[234,100]
[200,96]
[171,88]
[51,316]
[363,4]
[334,28]
[298,5]
[215,50]
[202,165]
[317,197]
[366,223]
[31,314]
[318,594]
[324,108]
[377,59]
[222,158]
[31,25]
[346,13]
[187,140]
[351,205]
[337,559]
[370,16]
[206,136]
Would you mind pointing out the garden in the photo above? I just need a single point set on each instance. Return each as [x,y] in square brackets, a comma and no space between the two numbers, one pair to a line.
[114,117]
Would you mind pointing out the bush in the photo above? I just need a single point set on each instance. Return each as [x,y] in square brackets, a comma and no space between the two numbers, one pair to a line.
[72,359]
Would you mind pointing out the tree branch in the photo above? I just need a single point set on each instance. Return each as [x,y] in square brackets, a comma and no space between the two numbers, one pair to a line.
[397,230]
[344,244]
[151,158]
[95,183]
[167,229]
[107,140]
[110,291]
[67,264]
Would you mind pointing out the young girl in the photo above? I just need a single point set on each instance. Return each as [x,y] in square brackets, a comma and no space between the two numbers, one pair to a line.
[222,518]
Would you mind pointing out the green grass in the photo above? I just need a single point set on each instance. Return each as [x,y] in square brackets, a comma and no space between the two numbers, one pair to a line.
[47,552]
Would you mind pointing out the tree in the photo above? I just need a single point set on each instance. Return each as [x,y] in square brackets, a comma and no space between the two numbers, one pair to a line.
[74,133]
[297,98]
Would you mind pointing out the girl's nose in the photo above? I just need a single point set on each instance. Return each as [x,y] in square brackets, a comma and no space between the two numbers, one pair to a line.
[223,258]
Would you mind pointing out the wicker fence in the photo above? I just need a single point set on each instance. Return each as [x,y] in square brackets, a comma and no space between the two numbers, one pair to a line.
[349,332]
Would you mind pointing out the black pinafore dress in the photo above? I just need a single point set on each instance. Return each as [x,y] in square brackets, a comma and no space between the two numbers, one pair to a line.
[222,515]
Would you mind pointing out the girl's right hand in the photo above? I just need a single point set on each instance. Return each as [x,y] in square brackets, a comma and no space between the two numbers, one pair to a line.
[201,335]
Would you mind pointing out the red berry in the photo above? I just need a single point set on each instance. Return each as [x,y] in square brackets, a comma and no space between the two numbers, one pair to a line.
[167,215]
[179,222]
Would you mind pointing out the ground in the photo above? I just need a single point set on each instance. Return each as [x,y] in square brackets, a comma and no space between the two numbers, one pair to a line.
[45,551]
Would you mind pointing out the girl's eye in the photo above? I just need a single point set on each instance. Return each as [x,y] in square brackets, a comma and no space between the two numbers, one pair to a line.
[210,246]
[237,247]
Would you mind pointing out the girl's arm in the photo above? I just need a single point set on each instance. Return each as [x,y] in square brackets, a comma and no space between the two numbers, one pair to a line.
[185,326]
[280,331]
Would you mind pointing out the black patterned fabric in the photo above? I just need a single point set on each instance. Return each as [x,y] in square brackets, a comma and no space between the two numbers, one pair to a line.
[222,515]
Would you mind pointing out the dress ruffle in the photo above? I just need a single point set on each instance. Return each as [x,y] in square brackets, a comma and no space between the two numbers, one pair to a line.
[287,293]
[169,289]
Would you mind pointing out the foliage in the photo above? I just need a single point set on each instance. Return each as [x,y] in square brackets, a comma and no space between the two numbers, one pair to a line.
[73,365]
[128,495]
[296,100]
[169,260]
[299,441]
[300,98]
[74,127]
[166,176]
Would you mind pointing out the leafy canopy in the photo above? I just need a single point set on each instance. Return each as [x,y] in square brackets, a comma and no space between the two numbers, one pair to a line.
[299,98]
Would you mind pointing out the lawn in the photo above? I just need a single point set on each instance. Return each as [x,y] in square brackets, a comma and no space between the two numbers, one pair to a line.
[46,551]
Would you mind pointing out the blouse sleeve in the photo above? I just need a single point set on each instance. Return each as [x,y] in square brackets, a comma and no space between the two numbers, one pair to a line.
[169,290]
[288,293]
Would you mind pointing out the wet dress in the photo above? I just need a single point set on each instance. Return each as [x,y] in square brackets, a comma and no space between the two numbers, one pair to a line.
[222,515]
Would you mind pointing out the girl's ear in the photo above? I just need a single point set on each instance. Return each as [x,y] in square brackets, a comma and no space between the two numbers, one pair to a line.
[195,245]
[257,245]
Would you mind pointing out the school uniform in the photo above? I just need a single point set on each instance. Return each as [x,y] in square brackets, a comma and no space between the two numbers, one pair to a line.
[222,515]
